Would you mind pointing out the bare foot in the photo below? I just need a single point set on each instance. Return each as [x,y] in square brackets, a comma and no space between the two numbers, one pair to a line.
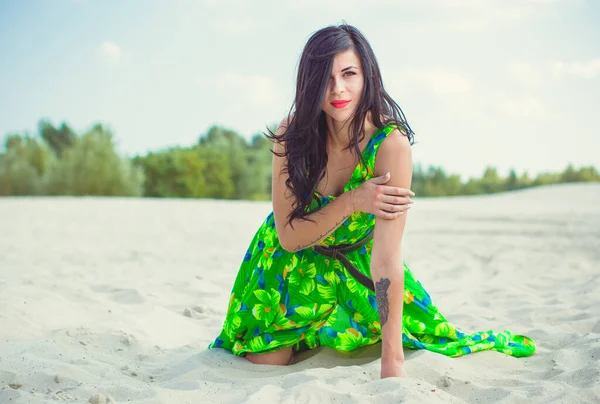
[282,357]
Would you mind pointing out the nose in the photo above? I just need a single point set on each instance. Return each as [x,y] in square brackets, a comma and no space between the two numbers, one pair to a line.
[337,85]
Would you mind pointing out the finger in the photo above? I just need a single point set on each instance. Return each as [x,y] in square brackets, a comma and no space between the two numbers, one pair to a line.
[396,200]
[382,179]
[397,191]
[394,208]
[389,215]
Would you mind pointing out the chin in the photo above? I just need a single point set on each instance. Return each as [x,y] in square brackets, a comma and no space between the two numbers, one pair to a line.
[340,116]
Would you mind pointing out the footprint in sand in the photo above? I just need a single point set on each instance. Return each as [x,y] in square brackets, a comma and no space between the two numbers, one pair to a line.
[202,310]
[125,296]
[101,399]
[447,381]
[10,379]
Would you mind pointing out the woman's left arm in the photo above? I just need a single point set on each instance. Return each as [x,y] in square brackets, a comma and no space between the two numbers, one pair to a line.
[387,268]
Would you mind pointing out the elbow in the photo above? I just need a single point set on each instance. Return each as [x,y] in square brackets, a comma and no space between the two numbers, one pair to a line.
[286,242]
[282,235]
[287,247]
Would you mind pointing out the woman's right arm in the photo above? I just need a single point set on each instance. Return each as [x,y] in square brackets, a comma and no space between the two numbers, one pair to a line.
[306,233]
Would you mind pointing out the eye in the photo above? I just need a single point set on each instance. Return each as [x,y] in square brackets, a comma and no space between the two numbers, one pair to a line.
[349,73]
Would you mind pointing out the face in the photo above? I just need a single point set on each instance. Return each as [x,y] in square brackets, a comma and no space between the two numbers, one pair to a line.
[345,86]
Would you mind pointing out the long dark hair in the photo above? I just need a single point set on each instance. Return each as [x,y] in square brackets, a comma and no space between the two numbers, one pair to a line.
[306,132]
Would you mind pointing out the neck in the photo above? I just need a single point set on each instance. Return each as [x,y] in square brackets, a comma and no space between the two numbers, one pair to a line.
[338,133]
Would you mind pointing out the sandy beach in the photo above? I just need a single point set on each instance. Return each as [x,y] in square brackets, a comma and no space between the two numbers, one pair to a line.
[114,300]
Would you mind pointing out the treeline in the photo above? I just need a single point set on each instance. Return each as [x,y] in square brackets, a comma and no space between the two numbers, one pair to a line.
[222,164]
[435,182]
[59,162]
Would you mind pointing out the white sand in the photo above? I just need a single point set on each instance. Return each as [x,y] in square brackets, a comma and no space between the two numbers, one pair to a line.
[93,293]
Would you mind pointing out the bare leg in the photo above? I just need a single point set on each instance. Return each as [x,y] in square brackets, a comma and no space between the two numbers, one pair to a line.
[282,357]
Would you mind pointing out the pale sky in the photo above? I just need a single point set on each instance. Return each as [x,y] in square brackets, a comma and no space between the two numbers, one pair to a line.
[507,83]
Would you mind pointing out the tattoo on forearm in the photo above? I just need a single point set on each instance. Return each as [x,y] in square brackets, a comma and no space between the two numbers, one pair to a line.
[322,236]
[383,306]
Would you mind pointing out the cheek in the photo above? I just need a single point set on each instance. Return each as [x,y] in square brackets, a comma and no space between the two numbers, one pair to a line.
[358,88]
[326,100]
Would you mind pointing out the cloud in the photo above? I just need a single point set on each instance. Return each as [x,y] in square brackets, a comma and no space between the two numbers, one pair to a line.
[532,75]
[233,26]
[543,1]
[469,25]
[222,3]
[443,83]
[504,6]
[526,73]
[584,70]
[476,16]
[330,5]
[245,102]
[254,89]
[527,106]
[111,53]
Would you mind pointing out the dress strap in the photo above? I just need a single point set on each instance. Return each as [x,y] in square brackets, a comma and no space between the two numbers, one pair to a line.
[381,137]
[373,146]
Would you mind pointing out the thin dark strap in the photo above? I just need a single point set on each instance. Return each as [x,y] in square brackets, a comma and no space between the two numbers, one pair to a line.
[346,248]
[337,252]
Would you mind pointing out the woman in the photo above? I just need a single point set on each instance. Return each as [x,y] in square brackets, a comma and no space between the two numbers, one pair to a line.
[325,268]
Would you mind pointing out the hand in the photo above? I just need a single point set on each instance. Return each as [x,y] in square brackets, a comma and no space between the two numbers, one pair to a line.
[383,201]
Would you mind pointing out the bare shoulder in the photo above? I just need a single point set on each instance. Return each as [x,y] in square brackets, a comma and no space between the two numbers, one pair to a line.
[279,146]
[395,156]
[395,146]
[285,122]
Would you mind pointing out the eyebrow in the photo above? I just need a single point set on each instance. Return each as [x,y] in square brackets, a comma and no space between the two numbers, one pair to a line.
[348,68]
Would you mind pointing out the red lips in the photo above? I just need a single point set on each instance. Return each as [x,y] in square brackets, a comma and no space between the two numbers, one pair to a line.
[340,103]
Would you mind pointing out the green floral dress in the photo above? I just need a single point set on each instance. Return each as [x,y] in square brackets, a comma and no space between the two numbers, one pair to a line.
[303,299]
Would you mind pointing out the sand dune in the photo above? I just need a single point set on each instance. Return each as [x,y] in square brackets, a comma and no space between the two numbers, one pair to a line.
[115,300]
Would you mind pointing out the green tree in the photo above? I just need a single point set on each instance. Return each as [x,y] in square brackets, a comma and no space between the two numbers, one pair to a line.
[24,165]
[569,175]
[218,175]
[525,181]
[512,181]
[58,139]
[491,181]
[259,164]
[589,173]
[197,172]
[472,187]
[546,179]
[92,166]
[247,165]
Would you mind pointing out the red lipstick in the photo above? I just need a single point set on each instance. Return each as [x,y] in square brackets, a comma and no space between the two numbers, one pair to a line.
[340,103]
